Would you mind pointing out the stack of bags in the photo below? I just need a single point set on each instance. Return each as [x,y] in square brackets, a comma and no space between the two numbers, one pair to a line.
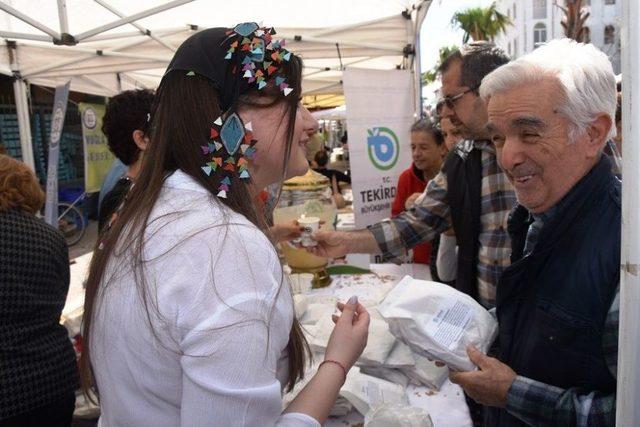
[385,368]
[412,324]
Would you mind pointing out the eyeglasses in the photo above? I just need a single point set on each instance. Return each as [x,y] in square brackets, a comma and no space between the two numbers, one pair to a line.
[450,101]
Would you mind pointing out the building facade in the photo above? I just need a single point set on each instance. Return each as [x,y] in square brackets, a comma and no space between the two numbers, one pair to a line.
[538,21]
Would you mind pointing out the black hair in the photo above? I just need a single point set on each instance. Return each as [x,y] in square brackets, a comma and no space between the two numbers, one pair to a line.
[426,125]
[478,59]
[344,138]
[321,158]
[127,112]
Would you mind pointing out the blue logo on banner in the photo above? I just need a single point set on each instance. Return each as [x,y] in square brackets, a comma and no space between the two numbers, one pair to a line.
[383,147]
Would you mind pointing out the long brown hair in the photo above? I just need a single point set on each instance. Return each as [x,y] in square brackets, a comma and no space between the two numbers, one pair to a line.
[182,114]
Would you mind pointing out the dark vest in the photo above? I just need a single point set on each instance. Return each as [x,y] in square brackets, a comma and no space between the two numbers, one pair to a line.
[464,182]
[552,304]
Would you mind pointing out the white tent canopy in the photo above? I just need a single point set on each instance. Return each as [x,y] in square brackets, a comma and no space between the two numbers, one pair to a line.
[98,59]
[106,46]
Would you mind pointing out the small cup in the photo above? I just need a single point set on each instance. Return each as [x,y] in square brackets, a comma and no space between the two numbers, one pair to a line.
[310,225]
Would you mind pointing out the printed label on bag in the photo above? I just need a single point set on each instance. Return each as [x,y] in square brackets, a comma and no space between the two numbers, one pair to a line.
[448,326]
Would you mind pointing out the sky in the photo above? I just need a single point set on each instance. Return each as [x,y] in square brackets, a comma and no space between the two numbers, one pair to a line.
[437,30]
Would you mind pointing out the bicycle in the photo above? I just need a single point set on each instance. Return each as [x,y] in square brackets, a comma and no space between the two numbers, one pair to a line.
[71,221]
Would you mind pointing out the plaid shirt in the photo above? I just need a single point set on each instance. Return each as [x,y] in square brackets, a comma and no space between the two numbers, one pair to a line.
[539,404]
[431,216]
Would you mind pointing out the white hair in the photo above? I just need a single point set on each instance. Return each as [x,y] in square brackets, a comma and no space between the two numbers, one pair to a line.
[584,73]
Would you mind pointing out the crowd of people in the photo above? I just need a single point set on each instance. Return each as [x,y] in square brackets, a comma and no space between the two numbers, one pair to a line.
[512,198]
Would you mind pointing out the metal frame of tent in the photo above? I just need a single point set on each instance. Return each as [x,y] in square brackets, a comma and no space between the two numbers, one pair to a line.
[628,393]
[327,51]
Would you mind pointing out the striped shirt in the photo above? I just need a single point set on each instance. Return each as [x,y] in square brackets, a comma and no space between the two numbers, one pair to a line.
[431,215]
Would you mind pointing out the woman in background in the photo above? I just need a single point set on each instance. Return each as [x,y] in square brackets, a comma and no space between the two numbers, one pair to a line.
[427,151]
[38,374]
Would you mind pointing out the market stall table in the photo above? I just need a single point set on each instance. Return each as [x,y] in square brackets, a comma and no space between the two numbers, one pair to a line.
[447,406]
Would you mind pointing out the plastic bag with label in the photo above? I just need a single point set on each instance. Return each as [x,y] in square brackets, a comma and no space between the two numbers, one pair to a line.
[438,322]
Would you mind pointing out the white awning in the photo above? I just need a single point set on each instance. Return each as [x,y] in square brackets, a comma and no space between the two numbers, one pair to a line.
[105,46]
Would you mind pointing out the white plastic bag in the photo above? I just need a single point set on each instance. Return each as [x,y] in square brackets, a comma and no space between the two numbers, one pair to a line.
[438,322]
[365,392]
[380,341]
[397,415]
[426,373]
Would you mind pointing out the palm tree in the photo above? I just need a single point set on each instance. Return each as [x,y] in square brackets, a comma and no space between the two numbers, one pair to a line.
[443,53]
[481,23]
[574,20]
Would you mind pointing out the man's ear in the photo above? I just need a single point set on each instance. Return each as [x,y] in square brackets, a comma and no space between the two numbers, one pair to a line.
[597,134]
[140,139]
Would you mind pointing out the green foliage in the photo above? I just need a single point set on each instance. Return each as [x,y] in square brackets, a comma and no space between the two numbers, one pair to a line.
[431,75]
[481,23]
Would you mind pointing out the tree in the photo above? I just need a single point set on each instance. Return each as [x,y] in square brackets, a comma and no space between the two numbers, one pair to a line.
[443,53]
[574,19]
[481,23]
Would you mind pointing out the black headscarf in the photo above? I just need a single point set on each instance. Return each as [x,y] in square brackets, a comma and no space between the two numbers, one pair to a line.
[205,53]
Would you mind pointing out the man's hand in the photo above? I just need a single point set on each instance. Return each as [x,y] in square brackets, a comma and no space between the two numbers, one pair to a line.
[411,200]
[331,244]
[488,386]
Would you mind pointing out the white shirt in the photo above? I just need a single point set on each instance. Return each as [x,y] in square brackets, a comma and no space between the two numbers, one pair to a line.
[221,314]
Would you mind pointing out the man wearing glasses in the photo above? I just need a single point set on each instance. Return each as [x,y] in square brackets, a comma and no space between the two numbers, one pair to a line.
[470,194]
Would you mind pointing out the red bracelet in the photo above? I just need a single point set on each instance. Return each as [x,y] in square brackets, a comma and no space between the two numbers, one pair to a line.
[344,370]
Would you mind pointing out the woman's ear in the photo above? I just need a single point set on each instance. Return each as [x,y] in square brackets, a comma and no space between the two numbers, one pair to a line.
[140,139]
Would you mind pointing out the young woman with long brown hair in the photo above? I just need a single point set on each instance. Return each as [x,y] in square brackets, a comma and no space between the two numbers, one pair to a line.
[188,318]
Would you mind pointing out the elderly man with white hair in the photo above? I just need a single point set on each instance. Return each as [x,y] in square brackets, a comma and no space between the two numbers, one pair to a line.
[550,115]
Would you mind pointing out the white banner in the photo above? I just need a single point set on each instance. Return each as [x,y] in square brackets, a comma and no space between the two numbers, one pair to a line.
[379,118]
[57,123]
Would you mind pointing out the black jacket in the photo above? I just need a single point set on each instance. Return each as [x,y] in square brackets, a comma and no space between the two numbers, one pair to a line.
[552,303]
[37,360]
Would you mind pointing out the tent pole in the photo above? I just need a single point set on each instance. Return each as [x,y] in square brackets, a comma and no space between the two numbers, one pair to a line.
[99,52]
[628,393]
[22,107]
[25,36]
[296,38]
[20,89]
[62,16]
[129,34]
[24,18]
[421,13]
[135,24]
[129,19]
